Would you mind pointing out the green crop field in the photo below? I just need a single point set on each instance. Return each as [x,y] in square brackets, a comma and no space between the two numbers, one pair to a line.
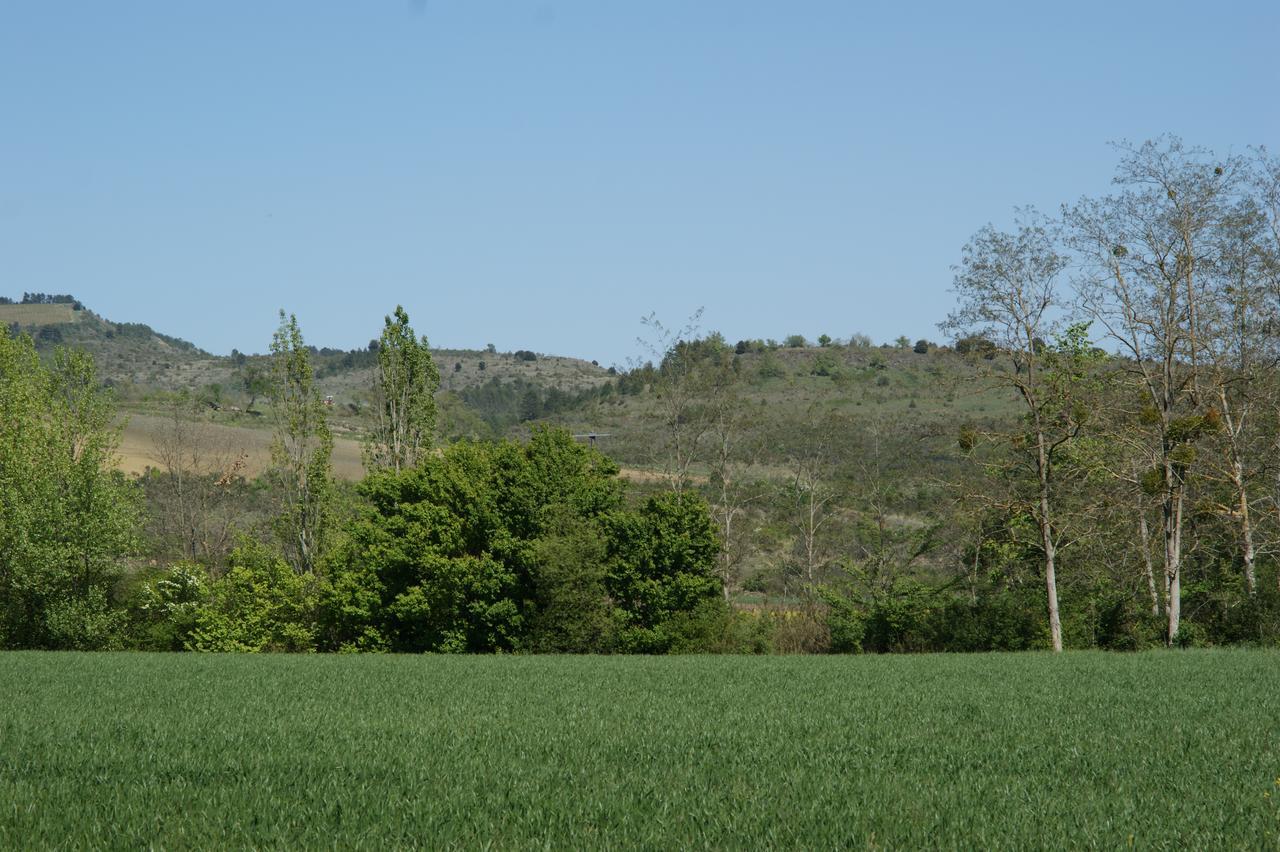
[1154,750]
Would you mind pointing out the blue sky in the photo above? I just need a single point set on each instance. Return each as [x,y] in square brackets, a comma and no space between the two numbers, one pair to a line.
[540,175]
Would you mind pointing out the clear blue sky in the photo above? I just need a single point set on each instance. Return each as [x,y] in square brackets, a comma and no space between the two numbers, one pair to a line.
[541,174]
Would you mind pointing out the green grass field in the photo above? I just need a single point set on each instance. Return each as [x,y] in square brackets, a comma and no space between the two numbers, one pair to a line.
[1156,750]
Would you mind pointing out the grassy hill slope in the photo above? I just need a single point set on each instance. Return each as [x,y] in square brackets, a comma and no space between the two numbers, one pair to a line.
[879,424]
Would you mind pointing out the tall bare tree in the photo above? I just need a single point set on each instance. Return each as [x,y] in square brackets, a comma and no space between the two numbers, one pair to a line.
[692,375]
[886,543]
[1006,285]
[1237,342]
[1148,251]
[732,451]
[1265,186]
[810,491]
[198,473]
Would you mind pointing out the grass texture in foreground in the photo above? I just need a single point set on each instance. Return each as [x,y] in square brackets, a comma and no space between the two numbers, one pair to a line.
[1161,750]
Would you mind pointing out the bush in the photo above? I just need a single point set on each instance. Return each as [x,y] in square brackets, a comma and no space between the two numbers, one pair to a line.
[824,365]
[770,367]
[845,622]
[799,631]
[976,345]
[261,604]
[85,623]
[1002,620]
[1190,635]
[163,606]
[713,627]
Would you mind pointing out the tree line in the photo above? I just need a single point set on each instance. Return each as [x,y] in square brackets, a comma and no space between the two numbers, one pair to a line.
[1138,333]
[1176,273]
[1138,486]
[44,299]
[495,546]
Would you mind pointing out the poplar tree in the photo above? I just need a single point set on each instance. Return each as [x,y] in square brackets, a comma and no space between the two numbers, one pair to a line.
[404,398]
[301,450]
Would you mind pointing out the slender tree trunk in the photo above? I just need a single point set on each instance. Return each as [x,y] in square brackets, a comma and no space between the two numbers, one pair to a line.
[1235,426]
[1276,497]
[725,560]
[1173,551]
[1051,585]
[1246,527]
[1050,550]
[810,542]
[1144,542]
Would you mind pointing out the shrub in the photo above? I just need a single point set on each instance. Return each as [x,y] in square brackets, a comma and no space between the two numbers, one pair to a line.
[261,604]
[824,365]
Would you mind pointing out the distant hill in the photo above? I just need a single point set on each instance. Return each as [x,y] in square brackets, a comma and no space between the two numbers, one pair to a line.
[486,393]
[145,365]
[127,353]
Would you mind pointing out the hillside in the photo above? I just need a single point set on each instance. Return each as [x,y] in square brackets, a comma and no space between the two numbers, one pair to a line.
[895,389]
[146,367]
[894,392]
[127,354]
[879,424]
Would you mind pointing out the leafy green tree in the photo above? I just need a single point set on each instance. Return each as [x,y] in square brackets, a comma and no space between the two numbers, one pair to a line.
[572,613]
[67,517]
[301,450]
[260,604]
[466,550]
[255,382]
[662,563]
[530,405]
[404,392]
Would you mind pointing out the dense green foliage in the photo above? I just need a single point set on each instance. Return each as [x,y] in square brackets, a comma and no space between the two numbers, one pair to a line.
[500,546]
[992,751]
[66,518]
[504,546]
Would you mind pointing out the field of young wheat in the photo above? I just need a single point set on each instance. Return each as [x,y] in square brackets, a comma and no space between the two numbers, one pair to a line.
[1157,750]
